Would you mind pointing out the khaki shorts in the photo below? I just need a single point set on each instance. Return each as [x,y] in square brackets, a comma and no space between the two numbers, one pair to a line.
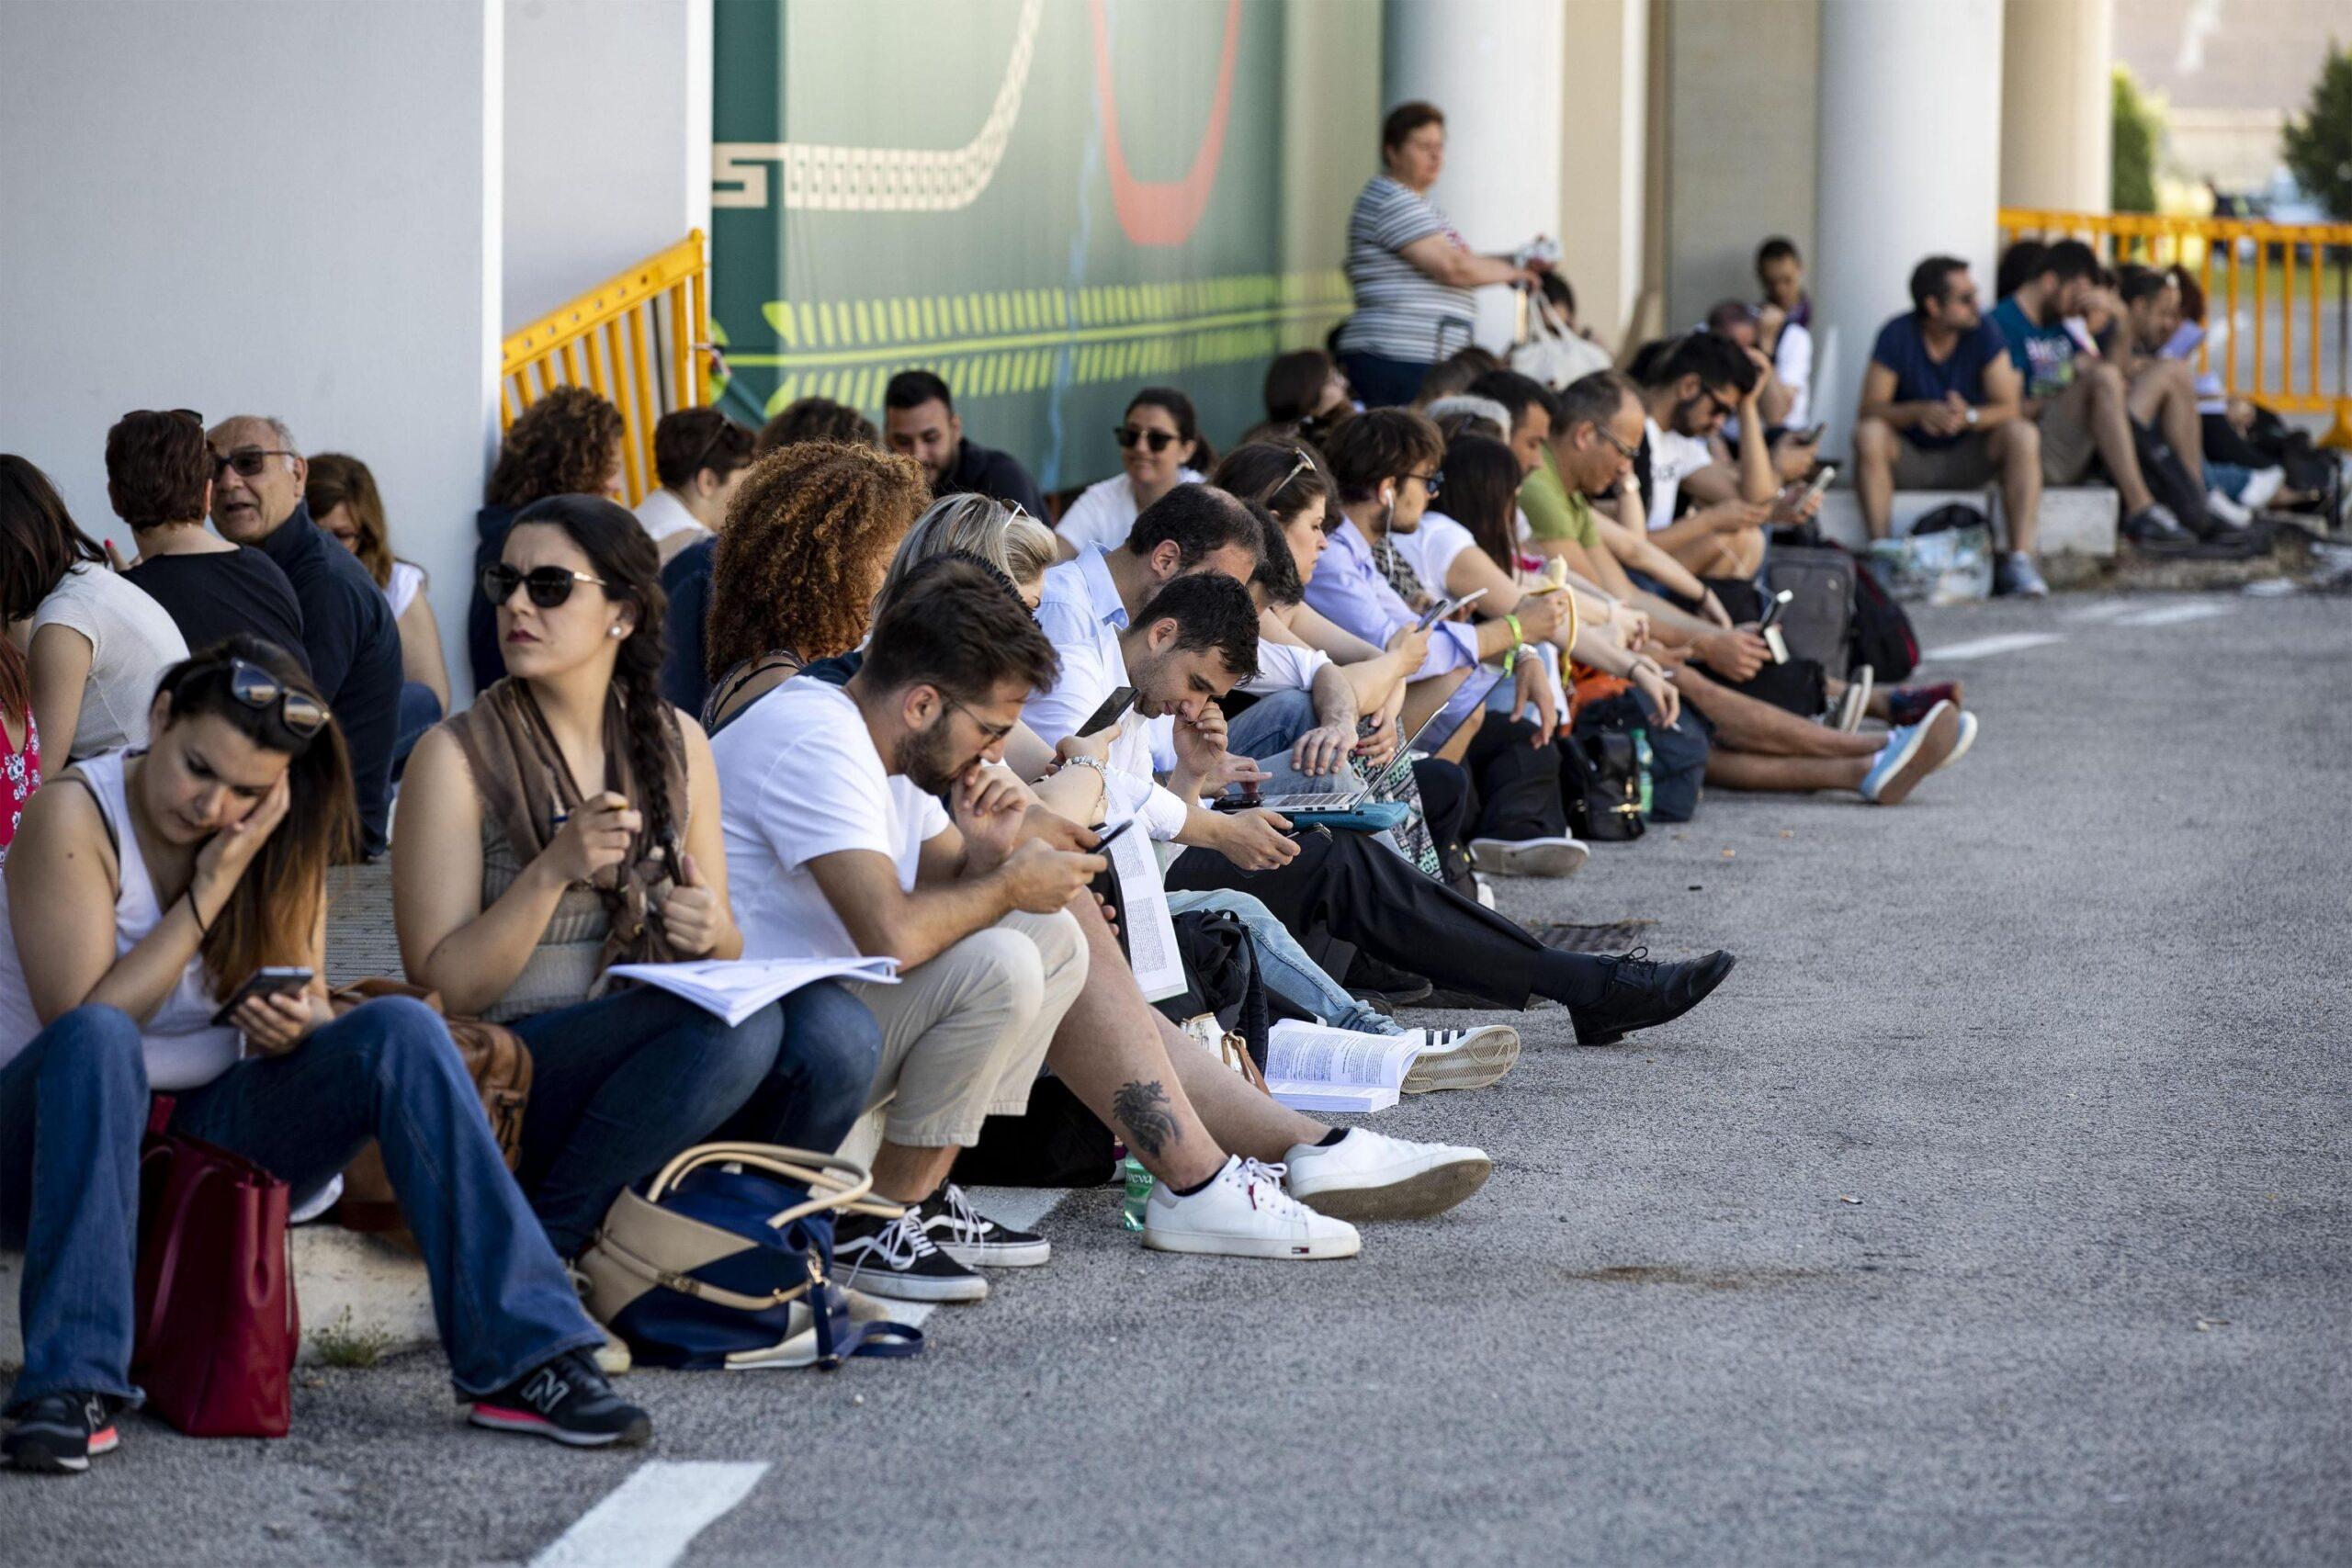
[2067,449]
[1966,464]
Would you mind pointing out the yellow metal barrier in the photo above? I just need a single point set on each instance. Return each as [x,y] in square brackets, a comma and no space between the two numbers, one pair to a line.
[636,339]
[2265,288]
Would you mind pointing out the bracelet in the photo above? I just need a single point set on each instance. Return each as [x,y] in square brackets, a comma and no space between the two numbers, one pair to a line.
[1097,763]
[1518,641]
[202,929]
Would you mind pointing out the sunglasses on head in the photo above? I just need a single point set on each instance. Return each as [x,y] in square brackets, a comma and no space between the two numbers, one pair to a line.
[548,586]
[302,715]
[1156,440]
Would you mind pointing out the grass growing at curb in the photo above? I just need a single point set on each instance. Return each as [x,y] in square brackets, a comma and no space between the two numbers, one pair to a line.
[340,1344]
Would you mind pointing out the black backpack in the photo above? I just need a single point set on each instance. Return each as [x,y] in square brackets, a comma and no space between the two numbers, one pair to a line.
[2168,481]
[1600,780]
[1818,625]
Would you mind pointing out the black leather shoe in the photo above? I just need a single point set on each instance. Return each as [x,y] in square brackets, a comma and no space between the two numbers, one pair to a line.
[1368,978]
[1639,993]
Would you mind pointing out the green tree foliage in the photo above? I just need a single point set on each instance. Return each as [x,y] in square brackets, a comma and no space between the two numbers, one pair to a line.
[2138,129]
[2318,145]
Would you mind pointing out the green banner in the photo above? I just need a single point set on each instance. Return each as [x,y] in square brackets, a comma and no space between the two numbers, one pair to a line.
[1049,202]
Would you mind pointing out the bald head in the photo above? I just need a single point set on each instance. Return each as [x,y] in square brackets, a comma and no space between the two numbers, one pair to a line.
[260,483]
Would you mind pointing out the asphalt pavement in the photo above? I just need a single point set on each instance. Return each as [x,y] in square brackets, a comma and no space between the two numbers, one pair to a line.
[1997,1210]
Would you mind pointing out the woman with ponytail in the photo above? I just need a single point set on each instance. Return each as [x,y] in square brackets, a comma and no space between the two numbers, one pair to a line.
[567,822]
[144,888]
[1160,448]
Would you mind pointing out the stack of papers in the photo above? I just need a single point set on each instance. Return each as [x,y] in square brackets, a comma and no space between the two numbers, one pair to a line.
[735,988]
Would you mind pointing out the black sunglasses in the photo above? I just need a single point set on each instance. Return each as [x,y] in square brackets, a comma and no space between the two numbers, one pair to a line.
[302,715]
[548,586]
[247,460]
[1157,440]
[1430,482]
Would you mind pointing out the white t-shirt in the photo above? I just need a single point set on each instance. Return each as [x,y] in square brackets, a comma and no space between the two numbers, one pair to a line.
[1792,363]
[1673,459]
[133,640]
[400,591]
[1282,667]
[661,513]
[1429,549]
[1101,517]
[799,777]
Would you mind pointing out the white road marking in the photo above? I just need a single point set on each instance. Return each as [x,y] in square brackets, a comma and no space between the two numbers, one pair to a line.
[1985,647]
[2172,615]
[648,1520]
[2105,611]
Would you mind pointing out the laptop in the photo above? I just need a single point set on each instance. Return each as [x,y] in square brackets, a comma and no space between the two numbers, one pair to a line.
[1434,732]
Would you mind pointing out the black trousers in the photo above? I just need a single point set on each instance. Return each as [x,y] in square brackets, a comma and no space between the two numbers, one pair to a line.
[1344,886]
[1515,786]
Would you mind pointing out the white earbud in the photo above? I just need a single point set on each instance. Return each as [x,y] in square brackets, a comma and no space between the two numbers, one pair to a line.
[612,631]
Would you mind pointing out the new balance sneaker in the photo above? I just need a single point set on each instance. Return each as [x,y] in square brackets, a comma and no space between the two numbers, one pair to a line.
[569,1400]
[59,1432]
[1967,737]
[1244,1213]
[1462,1058]
[1855,699]
[1640,994]
[1558,856]
[1910,754]
[1366,1176]
[976,1241]
[897,1259]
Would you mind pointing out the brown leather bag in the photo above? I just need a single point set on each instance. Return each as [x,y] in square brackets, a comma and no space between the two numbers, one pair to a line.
[494,1057]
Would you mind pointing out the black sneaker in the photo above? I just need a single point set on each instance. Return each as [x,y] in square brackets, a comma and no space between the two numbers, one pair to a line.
[1639,993]
[1369,979]
[897,1259]
[976,1241]
[566,1399]
[59,1432]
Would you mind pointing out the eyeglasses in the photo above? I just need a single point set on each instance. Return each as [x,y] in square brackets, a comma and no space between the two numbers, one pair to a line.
[302,715]
[1156,440]
[995,732]
[548,586]
[1630,454]
[247,460]
[1430,482]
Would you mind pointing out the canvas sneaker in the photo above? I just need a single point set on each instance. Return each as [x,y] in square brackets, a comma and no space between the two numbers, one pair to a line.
[1854,702]
[1367,1176]
[1244,1213]
[58,1433]
[976,1241]
[897,1259]
[1462,1058]
[1911,753]
[1555,856]
[1967,737]
[567,1401]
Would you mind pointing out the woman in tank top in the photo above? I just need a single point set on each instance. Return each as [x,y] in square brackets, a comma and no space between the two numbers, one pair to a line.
[144,887]
[568,821]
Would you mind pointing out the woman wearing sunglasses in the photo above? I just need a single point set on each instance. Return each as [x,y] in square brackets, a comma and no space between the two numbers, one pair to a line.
[567,822]
[162,880]
[1160,448]
[95,644]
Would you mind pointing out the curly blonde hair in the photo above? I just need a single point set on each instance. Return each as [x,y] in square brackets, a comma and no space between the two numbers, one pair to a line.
[565,444]
[807,537]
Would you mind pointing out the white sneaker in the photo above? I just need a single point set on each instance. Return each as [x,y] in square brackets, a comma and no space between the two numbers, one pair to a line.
[1854,703]
[1528,857]
[1960,747]
[1462,1058]
[1244,1213]
[1365,1175]
[2260,486]
[2228,511]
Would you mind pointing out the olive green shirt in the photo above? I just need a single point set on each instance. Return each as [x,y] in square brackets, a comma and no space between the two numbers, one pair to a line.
[1553,511]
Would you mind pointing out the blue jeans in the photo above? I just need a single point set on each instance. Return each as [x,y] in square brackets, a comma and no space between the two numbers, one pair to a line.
[73,1106]
[823,1074]
[1284,965]
[1382,382]
[420,710]
[1267,729]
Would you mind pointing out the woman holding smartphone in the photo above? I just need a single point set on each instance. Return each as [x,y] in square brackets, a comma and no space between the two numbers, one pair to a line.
[162,880]
[568,822]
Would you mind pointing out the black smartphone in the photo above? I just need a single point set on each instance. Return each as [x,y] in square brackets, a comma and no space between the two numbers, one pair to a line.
[1116,704]
[1772,608]
[268,981]
[1104,841]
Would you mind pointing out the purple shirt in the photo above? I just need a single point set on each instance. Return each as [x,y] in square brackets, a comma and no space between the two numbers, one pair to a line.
[1349,590]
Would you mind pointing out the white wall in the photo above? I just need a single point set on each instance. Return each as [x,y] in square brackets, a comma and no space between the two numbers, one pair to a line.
[607,140]
[237,205]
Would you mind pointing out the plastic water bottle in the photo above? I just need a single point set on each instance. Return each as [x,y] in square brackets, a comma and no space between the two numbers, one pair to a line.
[1642,761]
[1139,1192]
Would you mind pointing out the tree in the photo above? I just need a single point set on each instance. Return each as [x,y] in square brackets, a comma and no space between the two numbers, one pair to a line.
[2318,146]
[2138,126]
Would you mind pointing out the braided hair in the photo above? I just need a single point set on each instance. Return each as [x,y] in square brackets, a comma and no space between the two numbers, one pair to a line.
[625,559]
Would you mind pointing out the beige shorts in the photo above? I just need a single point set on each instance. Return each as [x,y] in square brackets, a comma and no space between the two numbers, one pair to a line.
[2067,449]
[1966,464]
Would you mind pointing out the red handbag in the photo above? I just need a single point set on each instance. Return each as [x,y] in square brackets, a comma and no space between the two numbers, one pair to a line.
[216,1321]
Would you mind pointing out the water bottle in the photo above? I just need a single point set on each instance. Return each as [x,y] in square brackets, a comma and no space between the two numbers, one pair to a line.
[1642,764]
[1139,1192]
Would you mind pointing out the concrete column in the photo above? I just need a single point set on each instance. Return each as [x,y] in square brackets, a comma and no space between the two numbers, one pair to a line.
[1494,67]
[1604,135]
[297,212]
[2057,123]
[1910,161]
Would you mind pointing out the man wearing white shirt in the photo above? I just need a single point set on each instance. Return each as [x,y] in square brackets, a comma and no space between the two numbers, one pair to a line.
[700,455]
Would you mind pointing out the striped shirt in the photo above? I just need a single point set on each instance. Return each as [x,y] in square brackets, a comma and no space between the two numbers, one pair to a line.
[1401,311]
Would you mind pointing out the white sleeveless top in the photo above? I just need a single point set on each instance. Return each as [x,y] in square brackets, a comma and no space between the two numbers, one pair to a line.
[183,1048]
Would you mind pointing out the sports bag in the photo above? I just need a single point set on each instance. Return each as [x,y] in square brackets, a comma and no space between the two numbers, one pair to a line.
[217,1326]
[722,1261]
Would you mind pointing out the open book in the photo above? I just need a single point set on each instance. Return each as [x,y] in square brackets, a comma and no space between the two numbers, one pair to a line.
[736,989]
[1312,1067]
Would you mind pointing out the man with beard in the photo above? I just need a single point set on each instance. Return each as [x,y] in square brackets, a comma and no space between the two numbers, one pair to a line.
[920,421]
[840,849]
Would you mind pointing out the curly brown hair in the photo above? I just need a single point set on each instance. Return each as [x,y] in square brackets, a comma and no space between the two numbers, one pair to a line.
[565,444]
[808,535]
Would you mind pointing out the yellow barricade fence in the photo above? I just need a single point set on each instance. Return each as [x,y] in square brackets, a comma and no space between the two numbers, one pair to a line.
[2271,292]
[638,338]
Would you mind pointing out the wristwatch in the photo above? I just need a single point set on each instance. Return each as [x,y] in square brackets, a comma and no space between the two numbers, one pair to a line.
[1097,763]
[1971,414]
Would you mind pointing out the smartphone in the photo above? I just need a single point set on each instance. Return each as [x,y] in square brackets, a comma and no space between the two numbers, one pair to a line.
[1103,842]
[268,981]
[1773,607]
[1113,706]
[1811,437]
[1820,484]
[1445,607]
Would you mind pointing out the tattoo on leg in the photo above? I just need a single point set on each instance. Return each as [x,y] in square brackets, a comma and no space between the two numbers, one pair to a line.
[1143,1110]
